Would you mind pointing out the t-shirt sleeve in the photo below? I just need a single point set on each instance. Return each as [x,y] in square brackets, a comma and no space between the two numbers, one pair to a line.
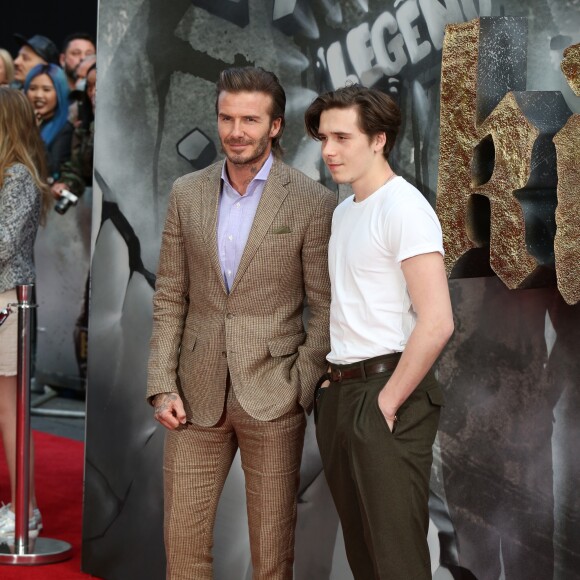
[413,229]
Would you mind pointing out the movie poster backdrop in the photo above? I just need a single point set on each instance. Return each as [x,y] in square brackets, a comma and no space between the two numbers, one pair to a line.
[503,492]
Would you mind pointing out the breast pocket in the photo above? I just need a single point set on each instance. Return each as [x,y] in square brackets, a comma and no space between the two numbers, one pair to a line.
[280,258]
[284,241]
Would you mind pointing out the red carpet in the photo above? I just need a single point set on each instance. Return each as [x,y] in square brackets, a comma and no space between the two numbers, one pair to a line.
[59,488]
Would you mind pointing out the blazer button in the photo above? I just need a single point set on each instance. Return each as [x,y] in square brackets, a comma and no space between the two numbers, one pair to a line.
[229,315]
[224,353]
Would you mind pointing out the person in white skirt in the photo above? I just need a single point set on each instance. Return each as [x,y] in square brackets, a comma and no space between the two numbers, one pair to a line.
[24,197]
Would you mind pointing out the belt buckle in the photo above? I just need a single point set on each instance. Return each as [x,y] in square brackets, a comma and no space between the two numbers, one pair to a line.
[339,375]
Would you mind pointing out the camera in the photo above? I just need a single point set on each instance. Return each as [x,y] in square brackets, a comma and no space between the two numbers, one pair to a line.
[67,198]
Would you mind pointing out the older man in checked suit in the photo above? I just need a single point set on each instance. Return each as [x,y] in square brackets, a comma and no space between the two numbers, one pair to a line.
[231,366]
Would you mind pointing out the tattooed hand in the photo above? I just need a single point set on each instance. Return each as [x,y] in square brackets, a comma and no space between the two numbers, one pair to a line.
[169,410]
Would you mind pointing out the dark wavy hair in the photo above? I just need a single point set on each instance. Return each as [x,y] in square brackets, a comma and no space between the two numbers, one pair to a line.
[256,80]
[377,112]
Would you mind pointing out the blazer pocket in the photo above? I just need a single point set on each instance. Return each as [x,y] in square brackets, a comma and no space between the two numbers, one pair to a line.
[436,397]
[285,345]
[282,230]
[188,340]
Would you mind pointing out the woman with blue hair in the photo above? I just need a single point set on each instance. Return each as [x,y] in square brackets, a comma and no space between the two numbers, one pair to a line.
[47,89]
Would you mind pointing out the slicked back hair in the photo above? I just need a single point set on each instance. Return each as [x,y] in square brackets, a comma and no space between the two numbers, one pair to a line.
[256,80]
[377,112]
[78,36]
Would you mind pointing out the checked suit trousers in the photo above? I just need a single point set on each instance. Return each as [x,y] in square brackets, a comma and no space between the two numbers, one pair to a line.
[196,463]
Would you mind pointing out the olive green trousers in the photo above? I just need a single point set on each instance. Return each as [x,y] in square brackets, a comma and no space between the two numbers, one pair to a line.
[379,479]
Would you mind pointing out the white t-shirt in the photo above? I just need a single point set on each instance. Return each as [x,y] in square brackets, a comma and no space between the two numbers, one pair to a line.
[371,312]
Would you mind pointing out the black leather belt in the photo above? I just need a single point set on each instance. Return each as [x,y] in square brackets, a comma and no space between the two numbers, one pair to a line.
[364,369]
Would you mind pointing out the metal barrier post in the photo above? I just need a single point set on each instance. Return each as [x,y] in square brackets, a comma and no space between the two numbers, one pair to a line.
[25,550]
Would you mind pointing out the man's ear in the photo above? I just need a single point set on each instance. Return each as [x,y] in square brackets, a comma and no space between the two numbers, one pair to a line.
[380,140]
[275,128]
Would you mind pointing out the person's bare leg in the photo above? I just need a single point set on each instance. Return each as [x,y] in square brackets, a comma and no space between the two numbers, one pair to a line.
[8,399]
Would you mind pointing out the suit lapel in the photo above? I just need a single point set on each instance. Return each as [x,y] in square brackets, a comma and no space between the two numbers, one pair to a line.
[210,190]
[272,198]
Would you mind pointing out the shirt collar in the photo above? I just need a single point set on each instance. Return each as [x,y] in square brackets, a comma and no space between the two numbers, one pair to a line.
[262,175]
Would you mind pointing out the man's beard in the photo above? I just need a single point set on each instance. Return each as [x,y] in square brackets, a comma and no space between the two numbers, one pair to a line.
[70,72]
[259,147]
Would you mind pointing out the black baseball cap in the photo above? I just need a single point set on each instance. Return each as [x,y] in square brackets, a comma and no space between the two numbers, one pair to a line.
[42,46]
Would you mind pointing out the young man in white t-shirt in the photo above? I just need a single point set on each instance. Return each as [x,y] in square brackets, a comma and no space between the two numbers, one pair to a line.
[390,317]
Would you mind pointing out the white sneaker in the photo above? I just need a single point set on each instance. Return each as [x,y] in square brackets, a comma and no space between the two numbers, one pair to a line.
[3,510]
[8,523]
[7,509]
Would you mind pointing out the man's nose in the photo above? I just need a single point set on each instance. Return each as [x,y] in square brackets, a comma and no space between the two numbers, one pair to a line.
[237,130]
[327,149]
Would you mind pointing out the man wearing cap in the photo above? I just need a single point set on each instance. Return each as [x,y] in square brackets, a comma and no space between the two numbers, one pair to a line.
[35,50]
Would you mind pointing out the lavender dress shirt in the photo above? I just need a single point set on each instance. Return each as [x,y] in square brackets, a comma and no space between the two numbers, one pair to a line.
[235,217]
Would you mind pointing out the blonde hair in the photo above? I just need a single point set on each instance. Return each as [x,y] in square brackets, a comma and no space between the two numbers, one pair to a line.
[8,65]
[20,141]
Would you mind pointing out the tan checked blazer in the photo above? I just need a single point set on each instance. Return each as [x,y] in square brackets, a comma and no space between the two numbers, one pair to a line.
[199,330]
